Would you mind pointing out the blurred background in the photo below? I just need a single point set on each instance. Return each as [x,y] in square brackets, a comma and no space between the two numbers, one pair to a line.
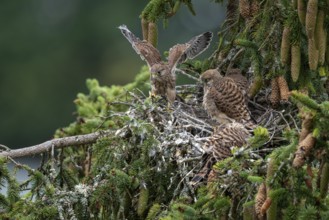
[48,48]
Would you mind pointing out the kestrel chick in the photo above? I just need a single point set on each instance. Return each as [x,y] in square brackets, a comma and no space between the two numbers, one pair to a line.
[218,147]
[163,78]
[223,99]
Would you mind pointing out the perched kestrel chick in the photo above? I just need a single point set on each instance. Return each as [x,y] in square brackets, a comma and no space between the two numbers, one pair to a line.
[163,77]
[218,147]
[223,99]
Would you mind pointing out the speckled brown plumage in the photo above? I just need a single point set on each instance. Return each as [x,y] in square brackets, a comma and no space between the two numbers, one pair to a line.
[223,99]
[241,81]
[163,79]
[218,146]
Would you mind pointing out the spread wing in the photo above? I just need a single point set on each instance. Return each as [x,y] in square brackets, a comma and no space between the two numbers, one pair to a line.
[146,50]
[181,52]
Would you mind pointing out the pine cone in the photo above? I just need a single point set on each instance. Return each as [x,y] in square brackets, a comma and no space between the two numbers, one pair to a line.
[232,12]
[307,120]
[299,160]
[255,86]
[321,36]
[324,180]
[311,13]
[301,11]
[254,8]
[303,150]
[145,28]
[260,199]
[271,169]
[284,89]
[295,62]
[313,55]
[142,201]
[275,93]
[327,49]
[285,45]
[153,34]
[266,205]
[326,85]
[244,6]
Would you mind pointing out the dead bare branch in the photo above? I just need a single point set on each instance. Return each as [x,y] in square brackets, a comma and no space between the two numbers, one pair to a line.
[56,143]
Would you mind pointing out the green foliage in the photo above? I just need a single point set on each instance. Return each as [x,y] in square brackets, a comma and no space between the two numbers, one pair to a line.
[180,211]
[295,27]
[255,179]
[305,100]
[246,43]
[260,137]
[154,211]
[278,194]
[12,188]
[308,213]
[160,9]
[33,210]
[290,213]
[93,109]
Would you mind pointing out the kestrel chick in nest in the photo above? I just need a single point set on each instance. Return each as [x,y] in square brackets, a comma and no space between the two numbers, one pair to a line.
[218,147]
[163,78]
[223,99]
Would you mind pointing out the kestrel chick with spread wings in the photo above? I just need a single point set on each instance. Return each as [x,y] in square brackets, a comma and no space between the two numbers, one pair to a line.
[223,99]
[218,147]
[163,78]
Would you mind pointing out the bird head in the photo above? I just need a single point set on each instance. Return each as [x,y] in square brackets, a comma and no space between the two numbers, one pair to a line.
[159,70]
[208,76]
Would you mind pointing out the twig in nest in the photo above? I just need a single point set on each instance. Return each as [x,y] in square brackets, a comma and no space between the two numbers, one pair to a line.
[136,97]
[186,160]
[195,122]
[141,92]
[234,58]
[122,103]
[191,70]
[256,104]
[202,129]
[188,75]
[282,116]
[294,121]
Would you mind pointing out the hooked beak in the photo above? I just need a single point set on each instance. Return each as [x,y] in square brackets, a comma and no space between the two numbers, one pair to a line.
[153,75]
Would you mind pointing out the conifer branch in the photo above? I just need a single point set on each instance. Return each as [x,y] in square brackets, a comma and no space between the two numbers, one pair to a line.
[56,143]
